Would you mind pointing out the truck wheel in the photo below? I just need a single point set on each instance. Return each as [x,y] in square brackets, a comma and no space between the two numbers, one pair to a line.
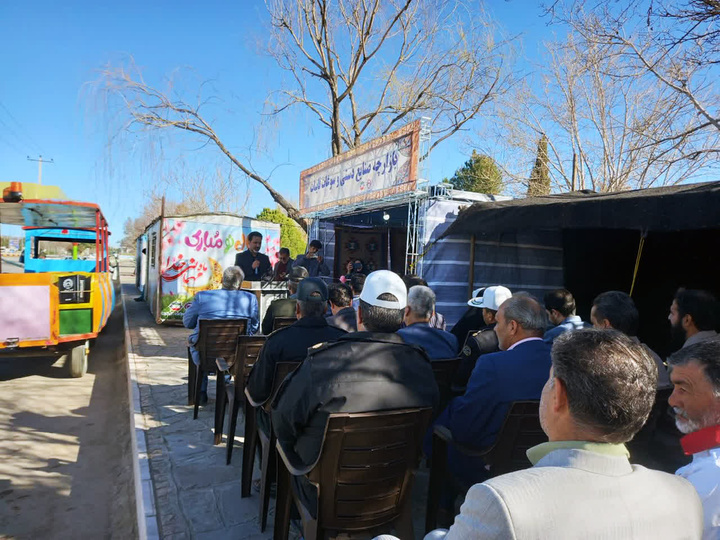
[78,361]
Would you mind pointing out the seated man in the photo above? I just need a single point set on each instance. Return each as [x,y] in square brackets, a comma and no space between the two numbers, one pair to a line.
[284,307]
[369,370]
[560,306]
[437,320]
[438,344]
[516,373]
[582,484]
[615,309]
[484,341]
[291,344]
[471,320]
[343,315]
[693,317]
[312,261]
[226,303]
[281,272]
[357,282]
[695,372]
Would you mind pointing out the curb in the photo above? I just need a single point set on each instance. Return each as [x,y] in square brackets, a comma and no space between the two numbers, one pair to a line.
[144,493]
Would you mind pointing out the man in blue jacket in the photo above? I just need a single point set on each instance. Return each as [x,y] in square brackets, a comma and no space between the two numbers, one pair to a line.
[518,372]
[438,344]
[226,303]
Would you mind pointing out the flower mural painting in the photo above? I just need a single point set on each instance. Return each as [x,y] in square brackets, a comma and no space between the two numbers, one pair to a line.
[196,250]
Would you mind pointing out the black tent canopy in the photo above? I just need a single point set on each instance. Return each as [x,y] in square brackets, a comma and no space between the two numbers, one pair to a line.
[677,208]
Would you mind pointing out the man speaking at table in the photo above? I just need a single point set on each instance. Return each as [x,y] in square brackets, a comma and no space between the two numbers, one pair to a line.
[253,263]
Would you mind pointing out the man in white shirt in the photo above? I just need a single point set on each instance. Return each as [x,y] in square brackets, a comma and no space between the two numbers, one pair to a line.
[695,373]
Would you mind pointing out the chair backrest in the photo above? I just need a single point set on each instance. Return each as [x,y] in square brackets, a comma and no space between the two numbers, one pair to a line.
[282,370]
[282,322]
[248,349]
[366,466]
[444,371]
[520,431]
[218,338]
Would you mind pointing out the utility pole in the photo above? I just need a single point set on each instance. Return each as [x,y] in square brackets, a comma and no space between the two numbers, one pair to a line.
[40,161]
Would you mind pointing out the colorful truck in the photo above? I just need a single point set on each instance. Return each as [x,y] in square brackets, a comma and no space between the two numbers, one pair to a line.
[57,305]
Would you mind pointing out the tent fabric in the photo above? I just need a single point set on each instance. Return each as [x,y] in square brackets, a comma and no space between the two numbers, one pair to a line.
[677,208]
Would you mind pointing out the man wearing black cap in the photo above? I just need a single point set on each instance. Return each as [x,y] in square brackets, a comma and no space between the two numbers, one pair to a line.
[253,263]
[313,261]
[291,344]
[284,307]
[369,370]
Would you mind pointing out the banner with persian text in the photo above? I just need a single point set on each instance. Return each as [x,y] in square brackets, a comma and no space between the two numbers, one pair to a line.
[382,167]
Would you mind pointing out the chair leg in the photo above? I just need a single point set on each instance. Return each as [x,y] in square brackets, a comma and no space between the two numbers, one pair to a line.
[191,379]
[233,407]
[404,523]
[220,401]
[198,385]
[438,466]
[283,502]
[249,446]
[269,474]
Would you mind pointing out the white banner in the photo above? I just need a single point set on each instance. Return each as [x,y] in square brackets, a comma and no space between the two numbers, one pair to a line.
[382,167]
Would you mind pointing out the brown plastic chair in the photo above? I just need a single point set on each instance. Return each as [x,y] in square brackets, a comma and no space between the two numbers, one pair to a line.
[267,443]
[520,431]
[282,322]
[216,338]
[444,371]
[363,476]
[248,349]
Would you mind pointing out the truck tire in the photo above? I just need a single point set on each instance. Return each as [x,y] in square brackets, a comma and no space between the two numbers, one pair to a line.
[77,360]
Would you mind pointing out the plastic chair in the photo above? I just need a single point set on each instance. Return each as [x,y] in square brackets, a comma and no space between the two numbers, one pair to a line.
[216,338]
[520,431]
[444,371]
[363,475]
[282,322]
[248,349]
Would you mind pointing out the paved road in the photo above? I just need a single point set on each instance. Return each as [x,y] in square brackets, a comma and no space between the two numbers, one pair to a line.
[65,452]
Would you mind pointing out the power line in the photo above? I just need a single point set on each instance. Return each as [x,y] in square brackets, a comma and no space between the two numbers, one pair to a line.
[25,133]
[11,145]
[40,162]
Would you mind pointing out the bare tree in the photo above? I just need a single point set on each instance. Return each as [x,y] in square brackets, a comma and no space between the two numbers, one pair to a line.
[674,43]
[604,132]
[367,67]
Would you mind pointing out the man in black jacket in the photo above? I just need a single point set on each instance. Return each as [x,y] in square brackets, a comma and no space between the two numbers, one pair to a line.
[369,370]
[343,315]
[291,344]
[253,263]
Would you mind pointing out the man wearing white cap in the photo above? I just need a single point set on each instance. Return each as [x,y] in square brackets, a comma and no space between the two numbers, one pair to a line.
[485,340]
[372,369]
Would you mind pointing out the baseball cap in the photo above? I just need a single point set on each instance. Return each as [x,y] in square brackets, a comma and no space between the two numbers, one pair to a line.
[298,273]
[312,290]
[477,292]
[381,282]
[492,298]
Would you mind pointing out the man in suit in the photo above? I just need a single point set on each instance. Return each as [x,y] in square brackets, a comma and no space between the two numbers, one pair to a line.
[226,303]
[695,373]
[343,315]
[515,373]
[284,307]
[253,263]
[438,344]
[599,394]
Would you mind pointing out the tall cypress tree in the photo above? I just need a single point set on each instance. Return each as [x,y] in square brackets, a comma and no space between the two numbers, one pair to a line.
[539,183]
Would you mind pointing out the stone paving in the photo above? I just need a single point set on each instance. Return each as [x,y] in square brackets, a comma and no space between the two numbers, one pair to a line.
[196,495]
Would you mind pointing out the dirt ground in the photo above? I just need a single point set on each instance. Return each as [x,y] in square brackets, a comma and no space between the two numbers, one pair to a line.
[65,445]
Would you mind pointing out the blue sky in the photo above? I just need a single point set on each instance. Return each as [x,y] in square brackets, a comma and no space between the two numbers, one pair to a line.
[50,53]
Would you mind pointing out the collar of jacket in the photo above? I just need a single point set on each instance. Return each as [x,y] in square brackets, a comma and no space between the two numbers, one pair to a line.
[311,322]
[536,453]
[375,337]
[701,440]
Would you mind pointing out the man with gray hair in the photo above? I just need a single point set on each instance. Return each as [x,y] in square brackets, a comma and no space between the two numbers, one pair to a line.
[518,372]
[599,394]
[695,374]
[438,344]
[226,303]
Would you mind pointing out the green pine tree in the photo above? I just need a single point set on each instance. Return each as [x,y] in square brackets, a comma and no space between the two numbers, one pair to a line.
[479,174]
[539,183]
[291,235]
